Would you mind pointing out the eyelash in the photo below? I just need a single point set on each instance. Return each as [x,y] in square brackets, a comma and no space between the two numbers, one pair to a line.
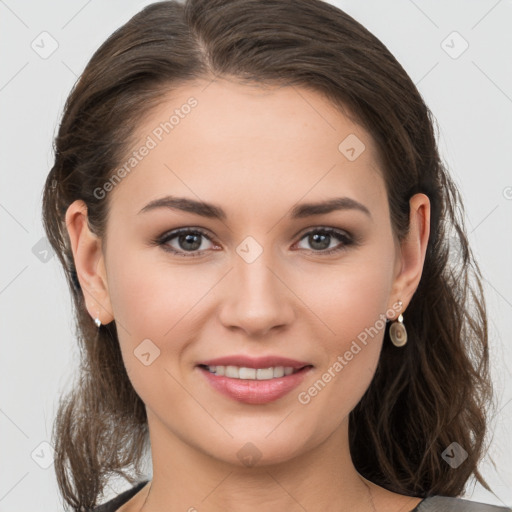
[167,237]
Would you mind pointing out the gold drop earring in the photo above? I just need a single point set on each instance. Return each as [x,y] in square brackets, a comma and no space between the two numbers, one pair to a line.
[397,330]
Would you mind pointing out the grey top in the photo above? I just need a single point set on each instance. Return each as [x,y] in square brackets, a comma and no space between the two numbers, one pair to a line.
[446,504]
[431,504]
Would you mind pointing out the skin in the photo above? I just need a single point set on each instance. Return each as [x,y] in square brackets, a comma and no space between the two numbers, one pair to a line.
[256,152]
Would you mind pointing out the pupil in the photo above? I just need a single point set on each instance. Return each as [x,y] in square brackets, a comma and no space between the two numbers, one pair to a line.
[314,239]
[189,239]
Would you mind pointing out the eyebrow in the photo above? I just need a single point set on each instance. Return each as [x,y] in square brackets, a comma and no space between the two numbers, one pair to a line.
[216,212]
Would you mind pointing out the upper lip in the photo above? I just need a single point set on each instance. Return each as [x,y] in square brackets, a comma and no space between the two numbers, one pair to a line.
[255,362]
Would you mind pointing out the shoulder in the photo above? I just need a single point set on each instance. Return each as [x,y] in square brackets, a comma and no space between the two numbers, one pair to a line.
[448,504]
[121,499]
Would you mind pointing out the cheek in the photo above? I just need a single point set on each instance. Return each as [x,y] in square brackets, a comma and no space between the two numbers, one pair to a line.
[351,304]
[350,298]
[156,302]
[151,298]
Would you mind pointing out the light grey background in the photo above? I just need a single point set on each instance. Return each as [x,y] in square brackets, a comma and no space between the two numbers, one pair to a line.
[470,95]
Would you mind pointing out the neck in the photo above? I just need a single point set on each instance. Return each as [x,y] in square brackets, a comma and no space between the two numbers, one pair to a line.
[322,479]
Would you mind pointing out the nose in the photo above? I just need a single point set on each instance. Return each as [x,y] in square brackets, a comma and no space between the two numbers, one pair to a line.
[256,298]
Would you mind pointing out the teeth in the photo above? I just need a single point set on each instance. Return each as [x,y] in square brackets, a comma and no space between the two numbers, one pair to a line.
[243,373]
[265,373]
[246,373]
[232,372]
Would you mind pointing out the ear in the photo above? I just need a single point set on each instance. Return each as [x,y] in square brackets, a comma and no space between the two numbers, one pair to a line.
[413,248]
[89,262]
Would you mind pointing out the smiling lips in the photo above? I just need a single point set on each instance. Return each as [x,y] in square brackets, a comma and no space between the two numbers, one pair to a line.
[254,380]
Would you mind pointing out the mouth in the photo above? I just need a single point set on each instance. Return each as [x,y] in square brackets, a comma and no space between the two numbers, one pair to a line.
[254,381]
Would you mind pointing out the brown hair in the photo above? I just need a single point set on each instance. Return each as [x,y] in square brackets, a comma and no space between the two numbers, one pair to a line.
[424,396]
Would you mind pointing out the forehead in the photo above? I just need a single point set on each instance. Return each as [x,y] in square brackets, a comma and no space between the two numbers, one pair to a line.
[227,140]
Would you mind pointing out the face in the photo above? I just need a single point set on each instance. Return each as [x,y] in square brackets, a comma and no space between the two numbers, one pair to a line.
[260,279]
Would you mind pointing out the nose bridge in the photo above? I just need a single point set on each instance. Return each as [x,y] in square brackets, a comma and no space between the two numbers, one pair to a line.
[256,277]
[252,261]
[256,299]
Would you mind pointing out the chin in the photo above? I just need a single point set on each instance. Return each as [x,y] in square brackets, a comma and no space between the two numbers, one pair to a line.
[258,451]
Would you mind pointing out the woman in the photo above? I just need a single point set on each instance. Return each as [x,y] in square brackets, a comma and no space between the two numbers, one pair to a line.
[249,204]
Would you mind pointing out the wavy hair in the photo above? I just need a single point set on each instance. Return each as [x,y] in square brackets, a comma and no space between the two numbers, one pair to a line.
[424,396]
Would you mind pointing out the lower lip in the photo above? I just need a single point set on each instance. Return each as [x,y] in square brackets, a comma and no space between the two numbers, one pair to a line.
[255,391]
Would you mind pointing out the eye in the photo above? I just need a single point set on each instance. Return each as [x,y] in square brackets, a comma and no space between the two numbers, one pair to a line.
[188,242]
[321,240]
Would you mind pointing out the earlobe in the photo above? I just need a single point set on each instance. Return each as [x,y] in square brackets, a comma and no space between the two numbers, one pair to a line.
[89,262]
[413,249]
